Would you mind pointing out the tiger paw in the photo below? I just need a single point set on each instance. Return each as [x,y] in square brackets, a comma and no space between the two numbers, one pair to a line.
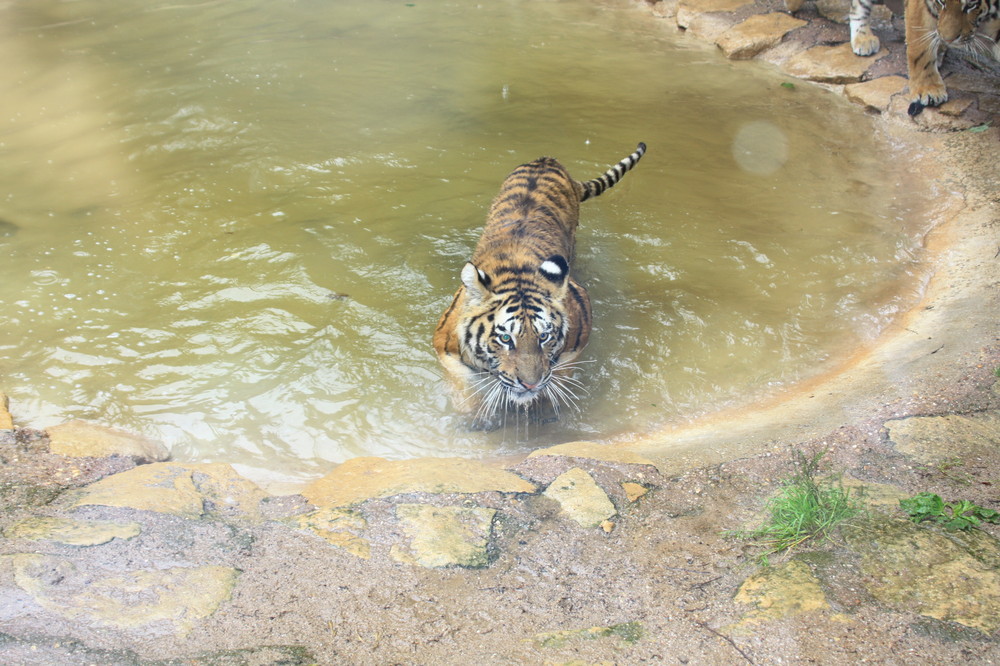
[931,96]
[864,42]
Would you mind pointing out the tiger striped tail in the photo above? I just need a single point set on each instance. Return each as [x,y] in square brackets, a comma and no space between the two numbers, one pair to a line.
[610,178]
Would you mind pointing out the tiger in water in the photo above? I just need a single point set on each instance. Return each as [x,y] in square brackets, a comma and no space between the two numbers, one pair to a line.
[511,334]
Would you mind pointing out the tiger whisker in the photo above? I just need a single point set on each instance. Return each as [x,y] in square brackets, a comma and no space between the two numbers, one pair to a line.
[565,391]
[479,385]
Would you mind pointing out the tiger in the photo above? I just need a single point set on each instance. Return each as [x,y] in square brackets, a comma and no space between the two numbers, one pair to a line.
[519,320]
[931,27]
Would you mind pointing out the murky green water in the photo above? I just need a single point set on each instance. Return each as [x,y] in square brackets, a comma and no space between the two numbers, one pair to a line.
[233,225]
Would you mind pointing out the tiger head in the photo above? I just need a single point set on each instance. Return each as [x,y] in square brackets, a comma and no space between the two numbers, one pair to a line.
[957,21]
[515,328]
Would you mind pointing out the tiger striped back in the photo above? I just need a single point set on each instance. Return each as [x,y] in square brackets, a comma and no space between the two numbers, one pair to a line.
[519,319]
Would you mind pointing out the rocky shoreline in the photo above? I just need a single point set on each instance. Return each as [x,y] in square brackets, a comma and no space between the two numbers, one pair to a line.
[580,553]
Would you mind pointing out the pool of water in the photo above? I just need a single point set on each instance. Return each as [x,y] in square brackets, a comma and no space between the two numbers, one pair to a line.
[232,225]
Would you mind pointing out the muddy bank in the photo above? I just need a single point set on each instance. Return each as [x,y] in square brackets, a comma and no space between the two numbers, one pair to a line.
[580,553]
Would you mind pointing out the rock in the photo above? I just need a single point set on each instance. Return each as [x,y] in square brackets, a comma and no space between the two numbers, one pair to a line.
[186,490]
[875,494]
[707,18]
[225,491]
[161,487]
[629,632]
[633,491]
[705,26]
[338,527]
[72,532]
[6,420]
[709,6]
[947,576]
[831,64]
[178,596]
[757,33]
[931,439]
[581,498]
[949,117]
[80,439]
[592,451]
[664,9]
[781,591]
[875,95]
[444,536]
[359,479]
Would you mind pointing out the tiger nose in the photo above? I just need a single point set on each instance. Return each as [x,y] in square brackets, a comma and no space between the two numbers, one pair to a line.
[527,386]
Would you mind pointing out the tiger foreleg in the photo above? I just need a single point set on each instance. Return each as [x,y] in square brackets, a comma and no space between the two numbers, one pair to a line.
[924,51]
[863,40]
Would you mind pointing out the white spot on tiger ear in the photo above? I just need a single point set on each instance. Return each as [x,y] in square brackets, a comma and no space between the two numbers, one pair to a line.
[552,269]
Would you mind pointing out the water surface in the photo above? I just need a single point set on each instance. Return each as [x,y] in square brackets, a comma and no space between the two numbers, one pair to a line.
[232,225]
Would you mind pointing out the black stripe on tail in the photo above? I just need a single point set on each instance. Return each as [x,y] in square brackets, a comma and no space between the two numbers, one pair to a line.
[609,178]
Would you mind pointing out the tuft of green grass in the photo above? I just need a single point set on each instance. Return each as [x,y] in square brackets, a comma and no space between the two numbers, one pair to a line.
[949,469]
[805,508]
[954,516]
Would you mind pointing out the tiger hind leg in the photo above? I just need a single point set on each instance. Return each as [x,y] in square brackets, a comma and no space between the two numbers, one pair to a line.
[863,40]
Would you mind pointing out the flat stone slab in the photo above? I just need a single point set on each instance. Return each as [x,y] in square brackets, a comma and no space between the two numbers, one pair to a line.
[953,576]
[593,451]
[444,536]
[360,479]
[707,18]
[629,632]
[72,532]
[186,490]
[178,597]
[709,6]
[875,494]
[831,64]
[80,439]
[6,420]
[756,34]
[877,93]
[581,498]
[930,439]
[339,527]
[781,591]
[633,491]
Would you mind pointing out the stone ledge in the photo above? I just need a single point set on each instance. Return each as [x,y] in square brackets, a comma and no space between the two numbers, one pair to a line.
[79,439]
[756,34]
[359,479]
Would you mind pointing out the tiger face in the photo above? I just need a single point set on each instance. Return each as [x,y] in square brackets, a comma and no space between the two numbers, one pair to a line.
[517,333]
[957,21]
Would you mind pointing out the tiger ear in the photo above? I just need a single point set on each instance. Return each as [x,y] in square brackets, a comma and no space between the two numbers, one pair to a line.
[477,282]
[555,269]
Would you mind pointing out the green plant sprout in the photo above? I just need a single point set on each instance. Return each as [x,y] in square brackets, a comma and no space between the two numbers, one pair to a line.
[945,467]
[960,515]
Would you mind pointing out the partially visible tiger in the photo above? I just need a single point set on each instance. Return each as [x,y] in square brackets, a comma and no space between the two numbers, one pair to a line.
[519,320]
[931,27]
